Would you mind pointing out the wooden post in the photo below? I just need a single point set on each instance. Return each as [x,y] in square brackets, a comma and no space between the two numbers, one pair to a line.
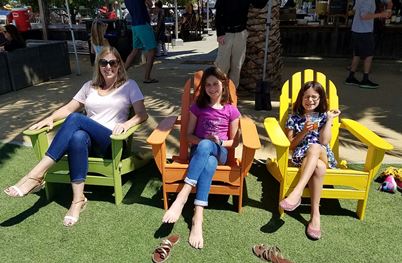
[43,20]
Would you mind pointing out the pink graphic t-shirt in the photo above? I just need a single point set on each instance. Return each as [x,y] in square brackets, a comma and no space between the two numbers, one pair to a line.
[212,121]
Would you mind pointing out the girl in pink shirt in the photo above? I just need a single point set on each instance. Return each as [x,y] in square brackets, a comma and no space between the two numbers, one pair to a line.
[213,126]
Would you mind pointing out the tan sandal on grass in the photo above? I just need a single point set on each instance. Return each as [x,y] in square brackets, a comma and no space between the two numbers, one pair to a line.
[162,253]
[72,220]
[36,188]
[269,254]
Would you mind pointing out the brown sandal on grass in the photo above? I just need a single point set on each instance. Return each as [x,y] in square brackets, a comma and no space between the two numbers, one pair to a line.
[269,254]
[162,253]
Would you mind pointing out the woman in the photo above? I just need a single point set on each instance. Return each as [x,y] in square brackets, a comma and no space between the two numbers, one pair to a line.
[13,38]
[188,23]
[98,40]
[107,100]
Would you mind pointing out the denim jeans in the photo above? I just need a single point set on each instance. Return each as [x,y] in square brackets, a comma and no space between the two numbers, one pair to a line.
[78,136]
[203,163]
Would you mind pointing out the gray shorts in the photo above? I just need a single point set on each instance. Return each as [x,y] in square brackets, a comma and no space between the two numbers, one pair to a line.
[363,44]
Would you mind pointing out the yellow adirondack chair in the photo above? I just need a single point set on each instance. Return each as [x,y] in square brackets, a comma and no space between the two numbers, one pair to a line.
[101,171]
[355,184]
[228,179]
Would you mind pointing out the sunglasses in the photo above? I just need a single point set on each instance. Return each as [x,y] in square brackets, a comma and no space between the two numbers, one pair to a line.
[113,63]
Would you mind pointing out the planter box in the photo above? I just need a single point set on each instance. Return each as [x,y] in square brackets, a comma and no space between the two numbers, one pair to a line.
[5,83]
[38,62]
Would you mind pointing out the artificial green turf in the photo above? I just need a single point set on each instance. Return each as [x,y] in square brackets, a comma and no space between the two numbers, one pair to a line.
[31,229]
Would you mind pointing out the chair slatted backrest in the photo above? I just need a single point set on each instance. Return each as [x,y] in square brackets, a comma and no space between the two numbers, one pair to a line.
[290,90]
[190,93]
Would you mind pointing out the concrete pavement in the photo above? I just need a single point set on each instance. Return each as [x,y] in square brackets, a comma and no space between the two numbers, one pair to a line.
[378,109]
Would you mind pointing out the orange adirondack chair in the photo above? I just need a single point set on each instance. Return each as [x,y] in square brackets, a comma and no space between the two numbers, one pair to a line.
[228,179]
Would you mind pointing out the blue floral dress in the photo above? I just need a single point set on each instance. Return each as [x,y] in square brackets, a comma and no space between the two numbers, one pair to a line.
[296,123]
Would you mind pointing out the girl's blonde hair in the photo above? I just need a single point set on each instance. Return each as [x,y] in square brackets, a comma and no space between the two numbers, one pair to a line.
[98,30]
[97,80]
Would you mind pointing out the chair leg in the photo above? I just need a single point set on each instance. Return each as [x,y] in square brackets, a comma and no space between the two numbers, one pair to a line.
[165,199]
[118,189]
[281,196]
[361,209]
[49,190]
[239,207]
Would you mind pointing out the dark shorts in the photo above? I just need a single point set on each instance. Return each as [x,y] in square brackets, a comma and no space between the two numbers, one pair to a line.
[363,44]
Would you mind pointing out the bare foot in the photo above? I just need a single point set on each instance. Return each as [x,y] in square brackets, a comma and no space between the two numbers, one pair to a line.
[174,212]
[73,214]
[196,239]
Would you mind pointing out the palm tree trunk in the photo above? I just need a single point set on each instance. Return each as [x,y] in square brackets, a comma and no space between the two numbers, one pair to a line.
[253,64]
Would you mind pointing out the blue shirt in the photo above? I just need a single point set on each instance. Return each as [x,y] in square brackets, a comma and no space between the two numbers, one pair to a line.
[138,12]
[363,7]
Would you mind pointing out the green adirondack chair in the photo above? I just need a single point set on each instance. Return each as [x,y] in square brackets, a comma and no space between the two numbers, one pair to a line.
[105,172]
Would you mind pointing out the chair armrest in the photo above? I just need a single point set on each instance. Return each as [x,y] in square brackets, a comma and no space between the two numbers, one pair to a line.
[124,136]
[275,133]
[159,135]
[249,134]
[365,135]
[29,132]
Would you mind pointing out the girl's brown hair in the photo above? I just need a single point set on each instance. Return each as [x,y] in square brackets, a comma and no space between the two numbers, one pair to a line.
[97,80]
[322,106]
[203,99]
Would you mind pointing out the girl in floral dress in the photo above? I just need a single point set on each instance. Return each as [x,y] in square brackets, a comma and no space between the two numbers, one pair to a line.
[311,152]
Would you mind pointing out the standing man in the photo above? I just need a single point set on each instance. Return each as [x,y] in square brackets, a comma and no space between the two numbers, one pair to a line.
[143,35]
[363,40]
[231,22]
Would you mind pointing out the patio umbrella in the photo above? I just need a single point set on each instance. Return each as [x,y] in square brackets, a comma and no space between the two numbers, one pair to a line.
[262,89]
[73,38]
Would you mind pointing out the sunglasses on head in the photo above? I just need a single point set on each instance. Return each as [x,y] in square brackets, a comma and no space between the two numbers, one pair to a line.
[113,62]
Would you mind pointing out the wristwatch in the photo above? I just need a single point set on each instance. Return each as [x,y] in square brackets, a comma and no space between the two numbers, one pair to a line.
[220,142]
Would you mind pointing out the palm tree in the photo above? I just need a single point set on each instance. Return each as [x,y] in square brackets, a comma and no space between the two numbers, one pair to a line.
[253,64]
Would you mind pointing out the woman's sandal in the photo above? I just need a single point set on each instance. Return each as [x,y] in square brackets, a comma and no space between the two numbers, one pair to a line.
[269,254]
[74,219]
[162,253]
[40,184]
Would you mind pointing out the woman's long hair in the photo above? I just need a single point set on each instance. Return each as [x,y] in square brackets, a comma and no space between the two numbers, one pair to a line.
[203,99]
[98,81]
[98,30]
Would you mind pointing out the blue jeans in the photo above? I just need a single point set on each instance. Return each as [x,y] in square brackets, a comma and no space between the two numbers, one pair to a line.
[203,163]
[78,136]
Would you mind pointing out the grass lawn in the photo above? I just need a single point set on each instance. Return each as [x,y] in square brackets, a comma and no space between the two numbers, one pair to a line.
[31,228]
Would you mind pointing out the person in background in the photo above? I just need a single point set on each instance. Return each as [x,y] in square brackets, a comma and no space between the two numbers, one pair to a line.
[188,22]
[98,40]
[230,22]
[160,30]
[143,35]
[363,40]
[14,40]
